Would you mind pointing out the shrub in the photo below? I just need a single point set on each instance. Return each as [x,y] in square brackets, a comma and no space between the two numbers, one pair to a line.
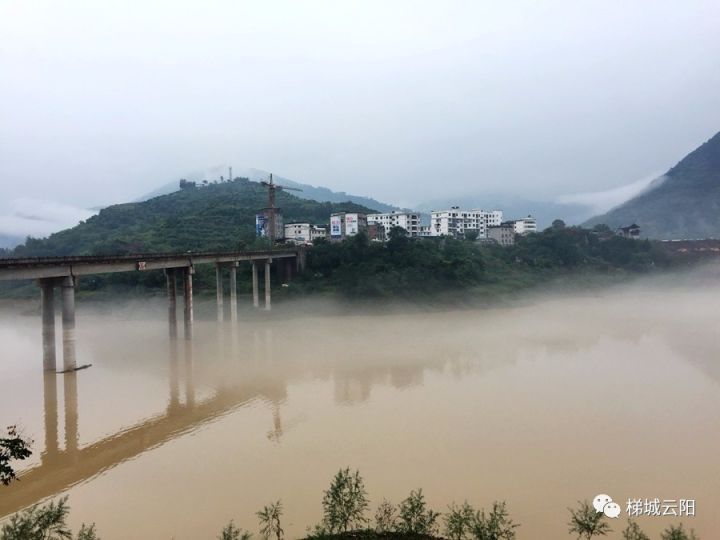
[496,525]
[586,522]
[270,521]
[46,522]
[231,532]
[386,518]
[415,517]
[678,533]
[345,503]
[12,447]
[633,532]
[87,533]
[459,521]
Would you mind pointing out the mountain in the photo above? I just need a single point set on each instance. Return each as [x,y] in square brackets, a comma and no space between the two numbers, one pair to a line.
[214,217]
[683,203]
[8,241]
[314,193]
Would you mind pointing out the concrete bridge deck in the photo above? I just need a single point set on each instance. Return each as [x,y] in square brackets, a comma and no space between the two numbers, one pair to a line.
[49,267]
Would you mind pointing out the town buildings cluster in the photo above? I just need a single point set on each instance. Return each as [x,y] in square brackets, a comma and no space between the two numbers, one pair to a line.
[484,226]
[487,226]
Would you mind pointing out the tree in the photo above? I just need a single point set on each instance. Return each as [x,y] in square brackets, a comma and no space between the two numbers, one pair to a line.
[459,521]
[12,447]
[270,521]
[633,532]
[496,525]
[45,522]
[472,235]
[87,533]
[231,532]
[586,522]
[386,518]
[345,503]
[415,517]
[558,224]
[601,228]
[678,533]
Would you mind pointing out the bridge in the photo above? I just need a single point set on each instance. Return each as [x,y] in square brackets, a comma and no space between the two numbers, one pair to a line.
[63,273]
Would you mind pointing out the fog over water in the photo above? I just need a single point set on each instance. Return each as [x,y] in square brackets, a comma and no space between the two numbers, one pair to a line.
[541,403]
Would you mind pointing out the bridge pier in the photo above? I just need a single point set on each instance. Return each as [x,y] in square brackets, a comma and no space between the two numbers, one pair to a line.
[267,284]
[219,293]
[47,292]
[233,292]
[256,292]
[68,323]
[188,301]
[171,279]
[301,258]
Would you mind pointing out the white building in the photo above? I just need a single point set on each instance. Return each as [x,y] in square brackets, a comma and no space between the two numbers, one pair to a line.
[304,233]
[457,223]
[524,225]
[407,220]
[344,224]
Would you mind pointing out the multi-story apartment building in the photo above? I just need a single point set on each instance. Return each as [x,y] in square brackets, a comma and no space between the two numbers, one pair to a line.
[524,225]
[344,224]
[407,220]
[425,231]
[457,223]
[304,233]
[502,234]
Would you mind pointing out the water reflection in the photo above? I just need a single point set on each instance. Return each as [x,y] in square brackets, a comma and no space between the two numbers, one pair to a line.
[62,468]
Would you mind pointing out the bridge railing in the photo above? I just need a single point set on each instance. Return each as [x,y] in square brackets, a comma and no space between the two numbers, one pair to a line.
[24,261]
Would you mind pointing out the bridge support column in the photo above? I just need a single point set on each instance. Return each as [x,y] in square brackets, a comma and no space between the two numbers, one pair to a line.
[219,293]
[68,323]
[267,284]
[256,292]
[47,294]
[174,376]
[233,292]
[172,301]
[301,258]
[188,301]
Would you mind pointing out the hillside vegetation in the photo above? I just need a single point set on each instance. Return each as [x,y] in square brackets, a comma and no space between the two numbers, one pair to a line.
[684,203]
[214,217]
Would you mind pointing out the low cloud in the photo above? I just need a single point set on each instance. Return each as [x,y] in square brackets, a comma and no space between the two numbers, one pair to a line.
[39,218]
[602,201]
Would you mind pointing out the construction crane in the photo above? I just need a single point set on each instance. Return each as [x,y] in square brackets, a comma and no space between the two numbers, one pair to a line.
[272,187]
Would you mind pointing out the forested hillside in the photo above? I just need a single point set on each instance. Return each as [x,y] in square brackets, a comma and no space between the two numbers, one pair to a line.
[213,217]
[684,203]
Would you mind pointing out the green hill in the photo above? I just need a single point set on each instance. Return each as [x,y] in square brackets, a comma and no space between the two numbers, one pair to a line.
[684,203]
[214,217]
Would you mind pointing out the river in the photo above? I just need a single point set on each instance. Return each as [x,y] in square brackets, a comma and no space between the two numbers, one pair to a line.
[540,403]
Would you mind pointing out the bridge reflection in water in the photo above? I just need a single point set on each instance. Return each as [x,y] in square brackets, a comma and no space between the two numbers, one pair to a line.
[62,467]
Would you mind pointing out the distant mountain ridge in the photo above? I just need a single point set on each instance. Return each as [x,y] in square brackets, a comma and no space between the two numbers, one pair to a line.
[684,203]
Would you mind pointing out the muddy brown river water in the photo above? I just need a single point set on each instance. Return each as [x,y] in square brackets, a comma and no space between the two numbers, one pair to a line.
[540,404]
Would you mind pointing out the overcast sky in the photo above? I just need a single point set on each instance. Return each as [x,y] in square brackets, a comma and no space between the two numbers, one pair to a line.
[103,101]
